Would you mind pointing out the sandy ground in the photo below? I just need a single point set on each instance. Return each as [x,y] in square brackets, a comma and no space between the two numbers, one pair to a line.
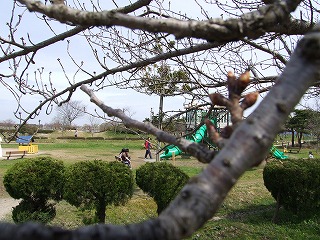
[6,205]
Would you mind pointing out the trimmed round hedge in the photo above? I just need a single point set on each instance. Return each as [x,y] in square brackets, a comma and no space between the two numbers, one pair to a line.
[294,183]
[96,184]
[162,181]
[27,211]
[35,181]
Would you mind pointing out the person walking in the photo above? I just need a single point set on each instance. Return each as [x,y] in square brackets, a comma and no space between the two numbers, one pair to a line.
[148,146]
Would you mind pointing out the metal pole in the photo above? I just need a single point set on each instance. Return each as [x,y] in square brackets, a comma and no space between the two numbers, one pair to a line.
[160,124]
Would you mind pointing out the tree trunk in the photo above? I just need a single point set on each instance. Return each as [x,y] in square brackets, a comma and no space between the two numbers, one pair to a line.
[299,139]
[292,137]
[101,211]
[275,216]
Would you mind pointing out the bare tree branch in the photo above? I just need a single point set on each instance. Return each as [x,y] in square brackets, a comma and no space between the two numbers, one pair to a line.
[252,25]
[201,197]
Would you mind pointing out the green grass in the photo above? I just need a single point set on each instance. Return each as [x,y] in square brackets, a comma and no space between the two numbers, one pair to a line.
[139,208]
[84,144]
[106,134]
[191,171]
[246,213]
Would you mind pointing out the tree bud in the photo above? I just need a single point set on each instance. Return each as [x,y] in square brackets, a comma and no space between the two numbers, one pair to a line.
[226,132]
[231,76]
[244,79]
[249,100]
[218,99]
[213,134]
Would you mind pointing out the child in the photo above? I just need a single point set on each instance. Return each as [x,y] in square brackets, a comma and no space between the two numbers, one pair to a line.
[310,155]
[147,146]
[124,156]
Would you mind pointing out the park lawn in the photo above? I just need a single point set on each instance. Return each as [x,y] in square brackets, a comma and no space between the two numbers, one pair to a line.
[245,214]
[74,150]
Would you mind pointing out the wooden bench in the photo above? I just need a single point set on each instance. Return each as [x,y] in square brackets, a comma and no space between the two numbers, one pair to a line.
[15,153]
[293,149]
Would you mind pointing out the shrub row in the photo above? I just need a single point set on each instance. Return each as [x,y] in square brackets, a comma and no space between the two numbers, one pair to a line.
[40,137]
[294,184]
[41,182]
[89,185]
[45,131]
[70,137]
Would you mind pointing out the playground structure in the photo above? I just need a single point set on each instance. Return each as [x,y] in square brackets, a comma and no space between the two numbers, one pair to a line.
[277,154]
[199,136]
[25,144]
[220,117]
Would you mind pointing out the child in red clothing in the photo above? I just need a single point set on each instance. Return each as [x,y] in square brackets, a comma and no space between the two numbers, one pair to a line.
[148,146]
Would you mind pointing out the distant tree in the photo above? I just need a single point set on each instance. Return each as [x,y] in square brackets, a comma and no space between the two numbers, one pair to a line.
[96,184]
[116,124]
[164,81]
[29,129]
[314,124]
[7,129]
[93,125]
[314,120]
[56,122]
[70,111]
[8,124]
[299,123]
[38,182]
[106,126]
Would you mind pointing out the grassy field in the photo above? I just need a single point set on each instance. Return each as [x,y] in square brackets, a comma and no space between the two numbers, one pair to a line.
[245,214]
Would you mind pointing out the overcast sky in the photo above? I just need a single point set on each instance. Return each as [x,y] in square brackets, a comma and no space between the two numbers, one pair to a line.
[138,104]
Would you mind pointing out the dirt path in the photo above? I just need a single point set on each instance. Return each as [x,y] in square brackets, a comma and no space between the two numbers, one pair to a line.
[6,205]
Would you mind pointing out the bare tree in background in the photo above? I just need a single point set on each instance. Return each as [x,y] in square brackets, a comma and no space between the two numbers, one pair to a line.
[207,47]
[70,111]
[93,125]
[314,121]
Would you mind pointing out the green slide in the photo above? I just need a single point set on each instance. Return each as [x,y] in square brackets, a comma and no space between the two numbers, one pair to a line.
[277,154]
[197,137]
